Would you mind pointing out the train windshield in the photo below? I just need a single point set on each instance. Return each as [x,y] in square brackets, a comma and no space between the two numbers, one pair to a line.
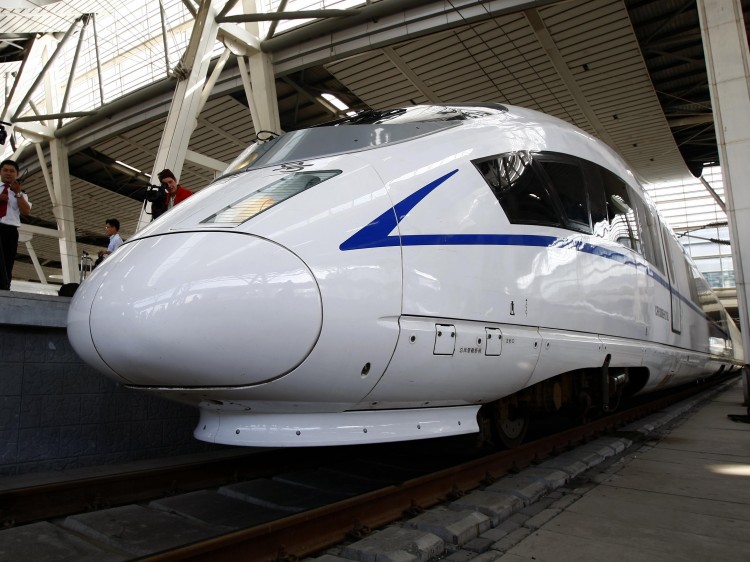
[363,131]
[268,196]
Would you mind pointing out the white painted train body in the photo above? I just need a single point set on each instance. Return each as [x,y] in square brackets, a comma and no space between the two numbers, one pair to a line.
[381,279]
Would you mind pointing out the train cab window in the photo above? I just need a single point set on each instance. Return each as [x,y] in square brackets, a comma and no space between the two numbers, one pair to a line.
[268,196]
[570,187]
[519,189]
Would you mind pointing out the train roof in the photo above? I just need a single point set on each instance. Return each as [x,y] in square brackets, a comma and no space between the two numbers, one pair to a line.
[378,128]
[360,131]
[421,114]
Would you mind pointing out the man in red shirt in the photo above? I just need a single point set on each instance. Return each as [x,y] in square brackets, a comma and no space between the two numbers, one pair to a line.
[175,193]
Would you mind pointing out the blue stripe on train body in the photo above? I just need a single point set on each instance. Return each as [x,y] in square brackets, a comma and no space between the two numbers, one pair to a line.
[377,234]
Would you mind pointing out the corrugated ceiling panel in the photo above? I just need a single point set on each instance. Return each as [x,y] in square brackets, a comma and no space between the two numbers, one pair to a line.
[224,130]
[501,60]
[566,18]
[375,80]
[603,26]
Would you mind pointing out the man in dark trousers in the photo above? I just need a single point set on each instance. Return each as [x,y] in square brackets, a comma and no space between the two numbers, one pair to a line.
[175,193]
[13,203]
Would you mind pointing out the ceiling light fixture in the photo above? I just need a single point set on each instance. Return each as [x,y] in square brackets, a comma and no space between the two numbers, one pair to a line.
[136,170]
[336,102]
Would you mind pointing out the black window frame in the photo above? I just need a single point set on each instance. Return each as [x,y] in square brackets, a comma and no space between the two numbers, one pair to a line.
[543,158]
[531,173]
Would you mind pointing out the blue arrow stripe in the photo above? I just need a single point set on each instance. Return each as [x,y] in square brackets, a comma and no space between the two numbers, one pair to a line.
[377,234]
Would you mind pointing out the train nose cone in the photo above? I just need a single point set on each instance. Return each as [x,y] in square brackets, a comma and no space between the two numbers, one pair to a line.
[197,309]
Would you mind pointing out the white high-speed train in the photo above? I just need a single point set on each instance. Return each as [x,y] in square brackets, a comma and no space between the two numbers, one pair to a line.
[405,274]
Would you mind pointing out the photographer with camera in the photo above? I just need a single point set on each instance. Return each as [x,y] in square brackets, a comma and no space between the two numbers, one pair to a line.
[169,193]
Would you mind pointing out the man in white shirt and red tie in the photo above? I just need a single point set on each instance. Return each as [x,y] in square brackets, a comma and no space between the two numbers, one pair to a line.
[13,203]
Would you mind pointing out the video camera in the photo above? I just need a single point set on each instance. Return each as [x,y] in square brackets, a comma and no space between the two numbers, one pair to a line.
[3,132]
[156,192]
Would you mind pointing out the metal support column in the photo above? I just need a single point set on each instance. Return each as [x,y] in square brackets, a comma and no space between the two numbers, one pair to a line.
[25,238]
[263,84]
[63,210]
[727,63]
[183,112]
[264,93]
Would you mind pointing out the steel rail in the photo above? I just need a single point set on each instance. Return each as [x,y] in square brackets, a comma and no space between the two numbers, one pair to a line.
[142,481]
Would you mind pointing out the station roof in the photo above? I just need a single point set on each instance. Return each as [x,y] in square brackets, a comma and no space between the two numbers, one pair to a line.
[631,72]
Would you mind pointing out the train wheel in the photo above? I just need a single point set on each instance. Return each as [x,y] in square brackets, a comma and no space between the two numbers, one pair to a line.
[582,410]
[512,431]
[503,424]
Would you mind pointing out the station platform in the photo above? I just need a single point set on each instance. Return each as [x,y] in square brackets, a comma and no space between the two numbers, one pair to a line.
[685,495]
[675,486]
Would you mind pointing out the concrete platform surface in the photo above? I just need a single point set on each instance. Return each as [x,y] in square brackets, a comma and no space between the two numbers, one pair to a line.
[684,497]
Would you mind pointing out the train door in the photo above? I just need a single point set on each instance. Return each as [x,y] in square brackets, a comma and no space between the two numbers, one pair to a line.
[676,307]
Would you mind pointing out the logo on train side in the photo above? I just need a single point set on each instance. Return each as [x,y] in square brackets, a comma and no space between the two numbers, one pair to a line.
[661,313]
[292,167]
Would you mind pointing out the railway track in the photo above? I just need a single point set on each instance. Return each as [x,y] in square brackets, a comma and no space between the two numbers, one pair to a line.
[145,481]
[273,505]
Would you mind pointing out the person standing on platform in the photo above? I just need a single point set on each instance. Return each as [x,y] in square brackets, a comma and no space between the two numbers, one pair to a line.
[112,226]
[175,193]
[13,203]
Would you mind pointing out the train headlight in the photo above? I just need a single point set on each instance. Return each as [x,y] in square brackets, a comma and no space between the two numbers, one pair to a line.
[204,309]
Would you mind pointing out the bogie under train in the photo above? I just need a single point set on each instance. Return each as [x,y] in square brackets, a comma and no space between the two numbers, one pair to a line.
[402,275]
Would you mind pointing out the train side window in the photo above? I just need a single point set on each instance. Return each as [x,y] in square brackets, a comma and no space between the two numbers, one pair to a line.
[519,189]
[706,299]
[649,232]
[693,277]
[622,221]
[568,182]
